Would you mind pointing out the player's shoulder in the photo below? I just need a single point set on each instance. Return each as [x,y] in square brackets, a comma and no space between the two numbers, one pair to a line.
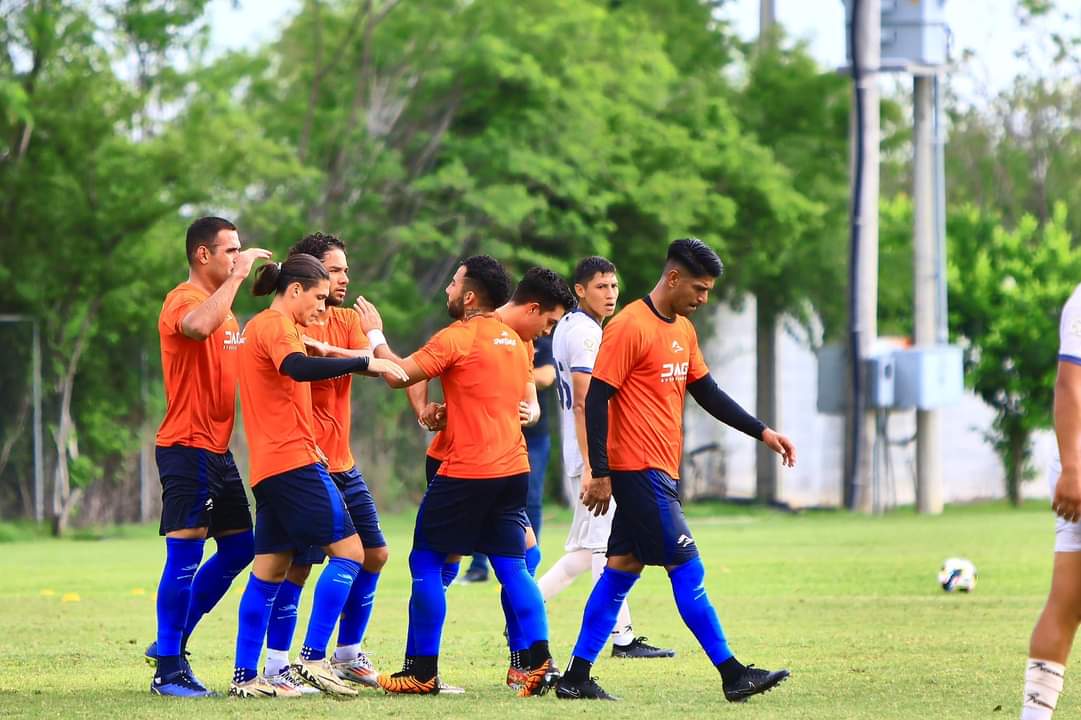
[185,292]
[1072,306]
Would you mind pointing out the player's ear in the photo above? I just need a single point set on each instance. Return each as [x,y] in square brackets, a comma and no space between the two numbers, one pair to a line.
[580,290]
[673,276]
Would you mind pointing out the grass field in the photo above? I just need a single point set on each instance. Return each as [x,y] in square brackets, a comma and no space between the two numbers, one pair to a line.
[848,603]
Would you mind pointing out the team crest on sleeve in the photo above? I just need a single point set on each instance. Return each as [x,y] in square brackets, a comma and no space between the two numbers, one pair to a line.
[1075,328]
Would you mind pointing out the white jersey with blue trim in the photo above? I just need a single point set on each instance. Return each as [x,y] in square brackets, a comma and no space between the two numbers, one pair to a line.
[1069,329]
[574,346]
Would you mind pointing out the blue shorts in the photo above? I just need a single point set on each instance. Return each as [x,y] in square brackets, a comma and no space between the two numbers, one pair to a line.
[431,467]
[299,508]
[649,522]
[200,489]
[361,511]
[460,517]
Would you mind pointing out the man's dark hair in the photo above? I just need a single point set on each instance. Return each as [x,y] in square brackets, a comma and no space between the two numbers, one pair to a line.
[486,276]
[317,244]
[204,231]
[276,277]
[542,286]
[695,257]
[590,266]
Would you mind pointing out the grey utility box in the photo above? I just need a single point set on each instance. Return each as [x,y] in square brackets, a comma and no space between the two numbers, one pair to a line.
[929,377]
[913,31]
[833,381]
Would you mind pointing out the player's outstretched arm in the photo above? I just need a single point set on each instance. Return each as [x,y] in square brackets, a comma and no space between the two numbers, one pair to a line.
[1067,500]
[201,322]
[579,390]
[718,404]
[599,493]
[304,368]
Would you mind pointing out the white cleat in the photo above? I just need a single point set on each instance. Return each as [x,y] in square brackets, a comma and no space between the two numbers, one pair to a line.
[359,670]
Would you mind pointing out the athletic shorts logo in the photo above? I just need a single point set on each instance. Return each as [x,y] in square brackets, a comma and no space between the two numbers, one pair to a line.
[685,541]
[209,505]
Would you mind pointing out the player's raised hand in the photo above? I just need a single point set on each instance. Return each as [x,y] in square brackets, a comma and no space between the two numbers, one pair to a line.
[781,445]
[370,319]
[1067,500]
[388,367]
[246,258]
[315,347]
[597,494]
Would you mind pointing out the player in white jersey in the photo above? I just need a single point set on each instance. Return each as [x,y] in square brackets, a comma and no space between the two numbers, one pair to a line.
[1055,630]
[574,346]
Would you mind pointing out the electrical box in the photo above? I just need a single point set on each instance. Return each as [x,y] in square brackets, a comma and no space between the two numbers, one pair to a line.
[833,380]
[913,31]
[929,377]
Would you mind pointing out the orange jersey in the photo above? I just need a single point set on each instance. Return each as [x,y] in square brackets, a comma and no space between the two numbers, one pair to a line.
[649,360]
[484,367]
[199,376]
[331,398]
[277,410]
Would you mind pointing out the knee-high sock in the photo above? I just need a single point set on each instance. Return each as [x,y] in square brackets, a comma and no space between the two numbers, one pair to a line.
[623,632]
[182,558]
[1043,685]
[331,592]
[283,617]
[562,574]
[427,603]
[448,573]
[524,603]
[255,607]
[599,617]
[689,589]
[516,636]
[235,552]
[358,608]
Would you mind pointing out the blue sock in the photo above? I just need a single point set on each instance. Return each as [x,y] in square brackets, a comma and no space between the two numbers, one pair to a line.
[450,572]
[689,588]
[601,611]
[331,592]
[212,581]
[182,558]
[427,603]
[532,560]
[524,604]
[358,608]
[283,617]
[255,607]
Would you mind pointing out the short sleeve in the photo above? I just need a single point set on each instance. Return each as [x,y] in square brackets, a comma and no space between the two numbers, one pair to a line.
[354,333]
[281,338]
[696,367]
[582,346]
[622,346]
[1069,349]
[176,308]
[443,350]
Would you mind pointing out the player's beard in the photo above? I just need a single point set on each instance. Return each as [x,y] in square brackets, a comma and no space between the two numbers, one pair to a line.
[332,301]
[456,308]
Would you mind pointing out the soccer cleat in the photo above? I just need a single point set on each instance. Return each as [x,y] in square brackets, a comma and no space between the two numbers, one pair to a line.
[539,680]
[321,674]
[257,687]
[447,689]
[358,670]
[179,684]
[406,683]
[639,648]
[516,677]
[587,689]
[474,575]
[151,657]
[752,682]
[289,685]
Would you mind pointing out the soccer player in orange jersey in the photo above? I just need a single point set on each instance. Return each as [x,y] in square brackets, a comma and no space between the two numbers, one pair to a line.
[202,493]
[338,334]
[297,503]
[648,361]
[476,501]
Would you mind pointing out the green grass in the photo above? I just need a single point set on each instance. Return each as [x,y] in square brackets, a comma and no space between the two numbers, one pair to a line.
[848,603]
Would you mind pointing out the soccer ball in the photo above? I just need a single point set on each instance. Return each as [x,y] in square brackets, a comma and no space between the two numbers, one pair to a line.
[957,574]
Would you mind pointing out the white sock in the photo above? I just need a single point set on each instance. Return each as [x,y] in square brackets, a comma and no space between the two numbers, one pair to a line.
[562,574]
[346,653]
[598,562]
[276,662]
[1043,683]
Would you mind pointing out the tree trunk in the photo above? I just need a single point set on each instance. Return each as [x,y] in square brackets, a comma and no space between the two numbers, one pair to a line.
[1016,445]
[767,400]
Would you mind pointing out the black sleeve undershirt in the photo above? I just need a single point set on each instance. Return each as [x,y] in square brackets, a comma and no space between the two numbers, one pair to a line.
[597,425]
[718,404]
[304,368]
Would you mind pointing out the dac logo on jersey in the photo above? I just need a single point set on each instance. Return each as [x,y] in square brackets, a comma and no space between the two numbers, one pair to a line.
[676,347]
[674,372]
[233,339]
[505,339]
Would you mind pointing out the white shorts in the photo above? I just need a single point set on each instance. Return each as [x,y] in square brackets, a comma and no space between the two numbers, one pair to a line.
[1067,534]
[588,532]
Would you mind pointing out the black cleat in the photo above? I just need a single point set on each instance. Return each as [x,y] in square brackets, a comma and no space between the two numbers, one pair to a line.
[474,575]
[639,648]
[587,689]
[752,682]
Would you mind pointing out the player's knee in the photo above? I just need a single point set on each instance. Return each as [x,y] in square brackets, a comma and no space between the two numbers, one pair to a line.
[625,563]
[375,558]
[507,568]
[298,574]
[530,538]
